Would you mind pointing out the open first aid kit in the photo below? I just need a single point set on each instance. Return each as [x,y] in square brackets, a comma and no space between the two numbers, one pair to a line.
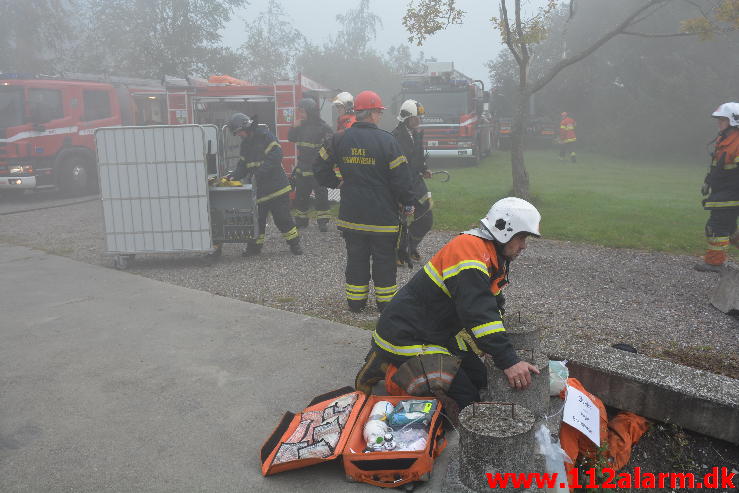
[387,441]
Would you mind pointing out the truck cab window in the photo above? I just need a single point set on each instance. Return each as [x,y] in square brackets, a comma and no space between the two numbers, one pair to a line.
[45,105]
[11,106]
[96,105]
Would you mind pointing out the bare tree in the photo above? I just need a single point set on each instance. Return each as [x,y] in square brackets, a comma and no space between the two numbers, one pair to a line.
[521,35]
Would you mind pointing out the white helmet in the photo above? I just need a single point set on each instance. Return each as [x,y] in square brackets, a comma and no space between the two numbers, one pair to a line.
[730,111]
[409,108]
[510,216]
[343,99]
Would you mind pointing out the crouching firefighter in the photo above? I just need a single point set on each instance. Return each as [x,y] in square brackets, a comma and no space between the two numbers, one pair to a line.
[411,143]
[309,134]
[459,288]
[261,161]
[375,183]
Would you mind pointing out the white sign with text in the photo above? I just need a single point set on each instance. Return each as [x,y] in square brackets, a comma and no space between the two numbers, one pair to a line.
[582,414]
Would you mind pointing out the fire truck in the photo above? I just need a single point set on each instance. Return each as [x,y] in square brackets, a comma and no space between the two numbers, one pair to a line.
[457,122]
[47,123]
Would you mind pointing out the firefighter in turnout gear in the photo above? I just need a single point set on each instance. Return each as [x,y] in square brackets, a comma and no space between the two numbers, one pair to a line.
[375,185]
[261,161]
[344,104]
[411,143]
[721,187]
[567,137]
[458,289]
[308,135]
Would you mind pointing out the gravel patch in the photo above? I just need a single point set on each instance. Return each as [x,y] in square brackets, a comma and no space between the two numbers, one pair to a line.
[653,301]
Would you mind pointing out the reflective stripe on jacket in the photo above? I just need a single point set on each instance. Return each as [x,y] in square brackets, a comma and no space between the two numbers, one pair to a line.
[308,137]
[567,130]
[374,178]
[411,144]
[261,157]
[455,290]
[724,175]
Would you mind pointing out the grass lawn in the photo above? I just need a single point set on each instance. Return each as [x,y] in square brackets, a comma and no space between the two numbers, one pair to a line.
[646,204]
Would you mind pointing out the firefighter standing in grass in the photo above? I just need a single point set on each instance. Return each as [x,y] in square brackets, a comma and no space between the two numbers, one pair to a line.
[721,187]
[459,288]
[375,184]
[308,135]
[261,160]
[567,137]
[344,104]
[411,143]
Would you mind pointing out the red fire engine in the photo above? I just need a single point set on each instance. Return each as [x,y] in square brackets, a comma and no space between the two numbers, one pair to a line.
[47,123]
[457,122]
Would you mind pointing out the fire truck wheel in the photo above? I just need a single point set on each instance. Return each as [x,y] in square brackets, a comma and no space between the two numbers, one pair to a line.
[77,175]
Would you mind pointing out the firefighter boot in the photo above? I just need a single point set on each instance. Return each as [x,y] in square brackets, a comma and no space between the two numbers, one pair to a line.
[381,305]
[301,221]
[252,249]
[713,261]
[450,410]
[372,371]
[734,239]
[356,306]
[295,247]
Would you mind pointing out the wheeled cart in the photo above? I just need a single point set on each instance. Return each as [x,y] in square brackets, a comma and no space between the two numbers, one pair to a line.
[155,194]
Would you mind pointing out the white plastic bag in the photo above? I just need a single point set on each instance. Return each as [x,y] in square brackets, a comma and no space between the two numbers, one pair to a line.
[558,374]
[554,458]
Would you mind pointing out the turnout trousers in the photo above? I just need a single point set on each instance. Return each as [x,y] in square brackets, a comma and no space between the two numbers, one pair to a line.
[369,257]
[465,389]
[304,185]
[567,148]
[279,207]
[423,219]
[720,228]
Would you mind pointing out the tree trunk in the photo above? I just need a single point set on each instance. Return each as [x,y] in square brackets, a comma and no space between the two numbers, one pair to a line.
[518,167]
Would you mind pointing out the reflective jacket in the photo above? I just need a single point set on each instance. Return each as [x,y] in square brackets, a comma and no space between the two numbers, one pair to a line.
[375,178]
[723,178]
[345,121]
[567,130]
[308,138]
[459,288]
[411,144]
[261,158]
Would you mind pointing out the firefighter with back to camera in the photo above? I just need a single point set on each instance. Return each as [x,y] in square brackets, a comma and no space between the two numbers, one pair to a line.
[344,104]
[411,143]
[309,133]
[261,161]
[375,189]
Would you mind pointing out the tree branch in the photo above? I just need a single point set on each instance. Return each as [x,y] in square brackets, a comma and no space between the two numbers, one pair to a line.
[507,38]
[557,68]
[657,35]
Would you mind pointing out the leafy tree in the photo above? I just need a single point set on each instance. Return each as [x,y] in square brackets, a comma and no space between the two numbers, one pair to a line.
[272,46]
[33,34]
[522,35]
[153,38]
[349,63]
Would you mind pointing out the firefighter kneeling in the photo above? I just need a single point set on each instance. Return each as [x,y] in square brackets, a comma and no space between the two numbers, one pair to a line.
[261,158]
[459,288]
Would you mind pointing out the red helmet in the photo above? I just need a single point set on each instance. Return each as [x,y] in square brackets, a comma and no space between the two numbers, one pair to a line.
[368,100]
